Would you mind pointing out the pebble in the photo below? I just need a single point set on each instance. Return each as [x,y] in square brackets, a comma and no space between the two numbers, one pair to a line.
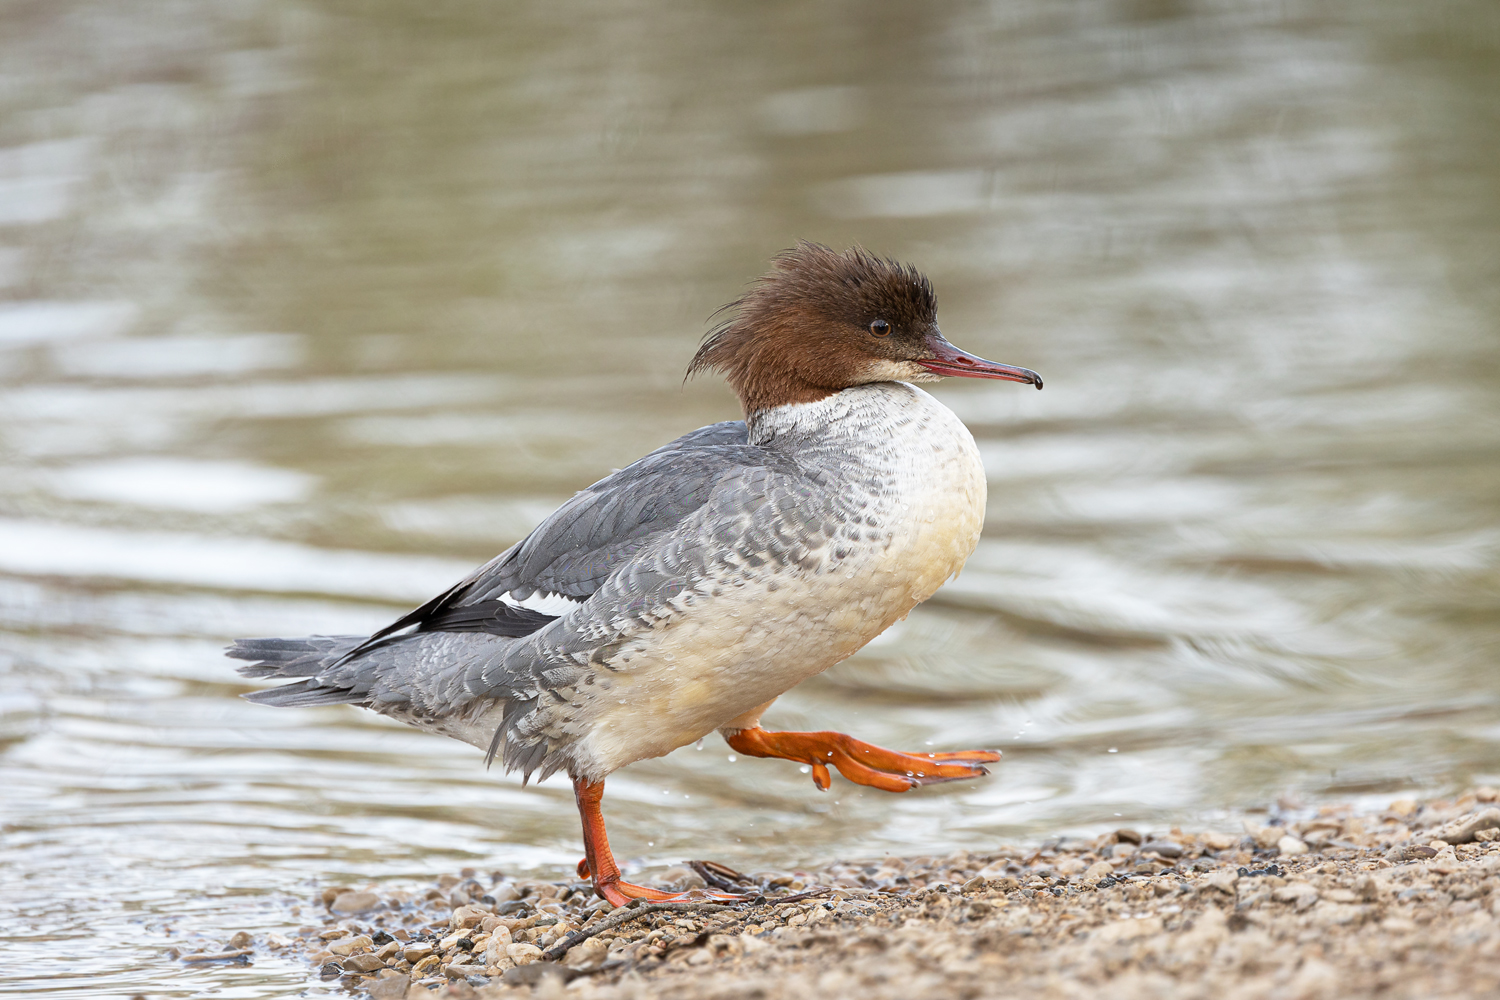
[1299,894]
[1165,848]
[523,954]
[390,987]
[1290,846]
[363,963]
[414,953]
[1223,881]
[354,902]
[587,955]
[348,946]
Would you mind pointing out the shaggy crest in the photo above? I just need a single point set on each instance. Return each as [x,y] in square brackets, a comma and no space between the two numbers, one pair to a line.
[803,331]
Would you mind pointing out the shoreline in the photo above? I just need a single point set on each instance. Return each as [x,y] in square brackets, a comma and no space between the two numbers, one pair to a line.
[1401,901]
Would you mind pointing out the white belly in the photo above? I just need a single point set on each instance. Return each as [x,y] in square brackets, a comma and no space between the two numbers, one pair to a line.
[726,655]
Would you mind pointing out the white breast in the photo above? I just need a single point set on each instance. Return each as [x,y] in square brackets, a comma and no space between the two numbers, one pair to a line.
[912,490]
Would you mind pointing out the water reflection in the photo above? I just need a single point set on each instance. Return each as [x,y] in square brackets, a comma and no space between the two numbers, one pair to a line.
[308,308]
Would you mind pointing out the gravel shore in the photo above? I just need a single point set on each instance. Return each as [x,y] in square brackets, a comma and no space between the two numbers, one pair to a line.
[1317,903]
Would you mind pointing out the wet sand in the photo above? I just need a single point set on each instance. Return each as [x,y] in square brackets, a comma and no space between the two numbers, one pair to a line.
[1327,902]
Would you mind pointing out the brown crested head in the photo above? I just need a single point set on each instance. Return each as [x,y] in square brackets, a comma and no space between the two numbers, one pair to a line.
[822,321]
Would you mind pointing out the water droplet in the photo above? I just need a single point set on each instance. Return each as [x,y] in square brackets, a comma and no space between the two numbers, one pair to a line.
[1113,750]
[699,744]
[650,843]
[732,758]
[805,769]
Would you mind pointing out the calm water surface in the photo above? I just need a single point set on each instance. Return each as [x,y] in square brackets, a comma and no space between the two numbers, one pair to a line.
[308,307]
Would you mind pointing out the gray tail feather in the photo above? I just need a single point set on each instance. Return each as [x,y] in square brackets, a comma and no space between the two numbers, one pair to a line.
[304,658]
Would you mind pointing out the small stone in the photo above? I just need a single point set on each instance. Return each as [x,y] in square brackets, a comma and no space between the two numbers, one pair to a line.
[390,987]
[1299,894]
[1165,848]
[523,954]
[331,893]
[1218,841]
[587,955]
[1098,870]
[363,963]
[1128,930]
[1266,836]
[241,940]
[389,950]
[1465,830]
[469,916]
[354,902]
[1072,866]
[1290,846]
[1127,836]
[1484,793]
[463,970]
[332,933]
[1122,850]
[330,970]
[1403,807]
[974,884]
[348,946]
[420,969]
[1223,881]
[414,953]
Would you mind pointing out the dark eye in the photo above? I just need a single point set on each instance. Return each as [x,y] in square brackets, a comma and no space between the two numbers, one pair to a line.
[880,328]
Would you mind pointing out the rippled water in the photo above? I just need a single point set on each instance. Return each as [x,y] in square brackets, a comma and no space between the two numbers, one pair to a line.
[308,307]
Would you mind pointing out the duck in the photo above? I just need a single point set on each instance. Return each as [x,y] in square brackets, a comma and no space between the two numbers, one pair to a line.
[684,593]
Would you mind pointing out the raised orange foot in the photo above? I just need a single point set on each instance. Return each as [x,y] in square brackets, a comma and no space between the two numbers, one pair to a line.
[860,762]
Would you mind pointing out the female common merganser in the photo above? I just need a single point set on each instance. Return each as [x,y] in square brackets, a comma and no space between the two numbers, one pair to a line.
[685,593]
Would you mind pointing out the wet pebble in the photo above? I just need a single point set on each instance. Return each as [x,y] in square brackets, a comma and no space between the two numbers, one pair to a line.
[1165,848]
[1290,846]
[354,902]
[390,987]
[523,954]
[363,963]
[350,945]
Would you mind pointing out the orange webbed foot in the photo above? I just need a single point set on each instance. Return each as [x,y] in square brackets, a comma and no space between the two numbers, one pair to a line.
[863,763]
[620,893]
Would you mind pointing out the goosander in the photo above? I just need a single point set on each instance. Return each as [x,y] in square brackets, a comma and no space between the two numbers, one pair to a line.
[686,592]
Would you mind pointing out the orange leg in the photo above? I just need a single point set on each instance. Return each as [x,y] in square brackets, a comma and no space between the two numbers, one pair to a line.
[599,863]
[860,762]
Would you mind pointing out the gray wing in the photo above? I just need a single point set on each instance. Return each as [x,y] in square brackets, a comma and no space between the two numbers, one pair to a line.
[627,552]
[587,539]
[753,517]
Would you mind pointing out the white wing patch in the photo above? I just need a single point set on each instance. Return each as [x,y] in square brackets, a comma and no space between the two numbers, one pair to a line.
[556,605]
